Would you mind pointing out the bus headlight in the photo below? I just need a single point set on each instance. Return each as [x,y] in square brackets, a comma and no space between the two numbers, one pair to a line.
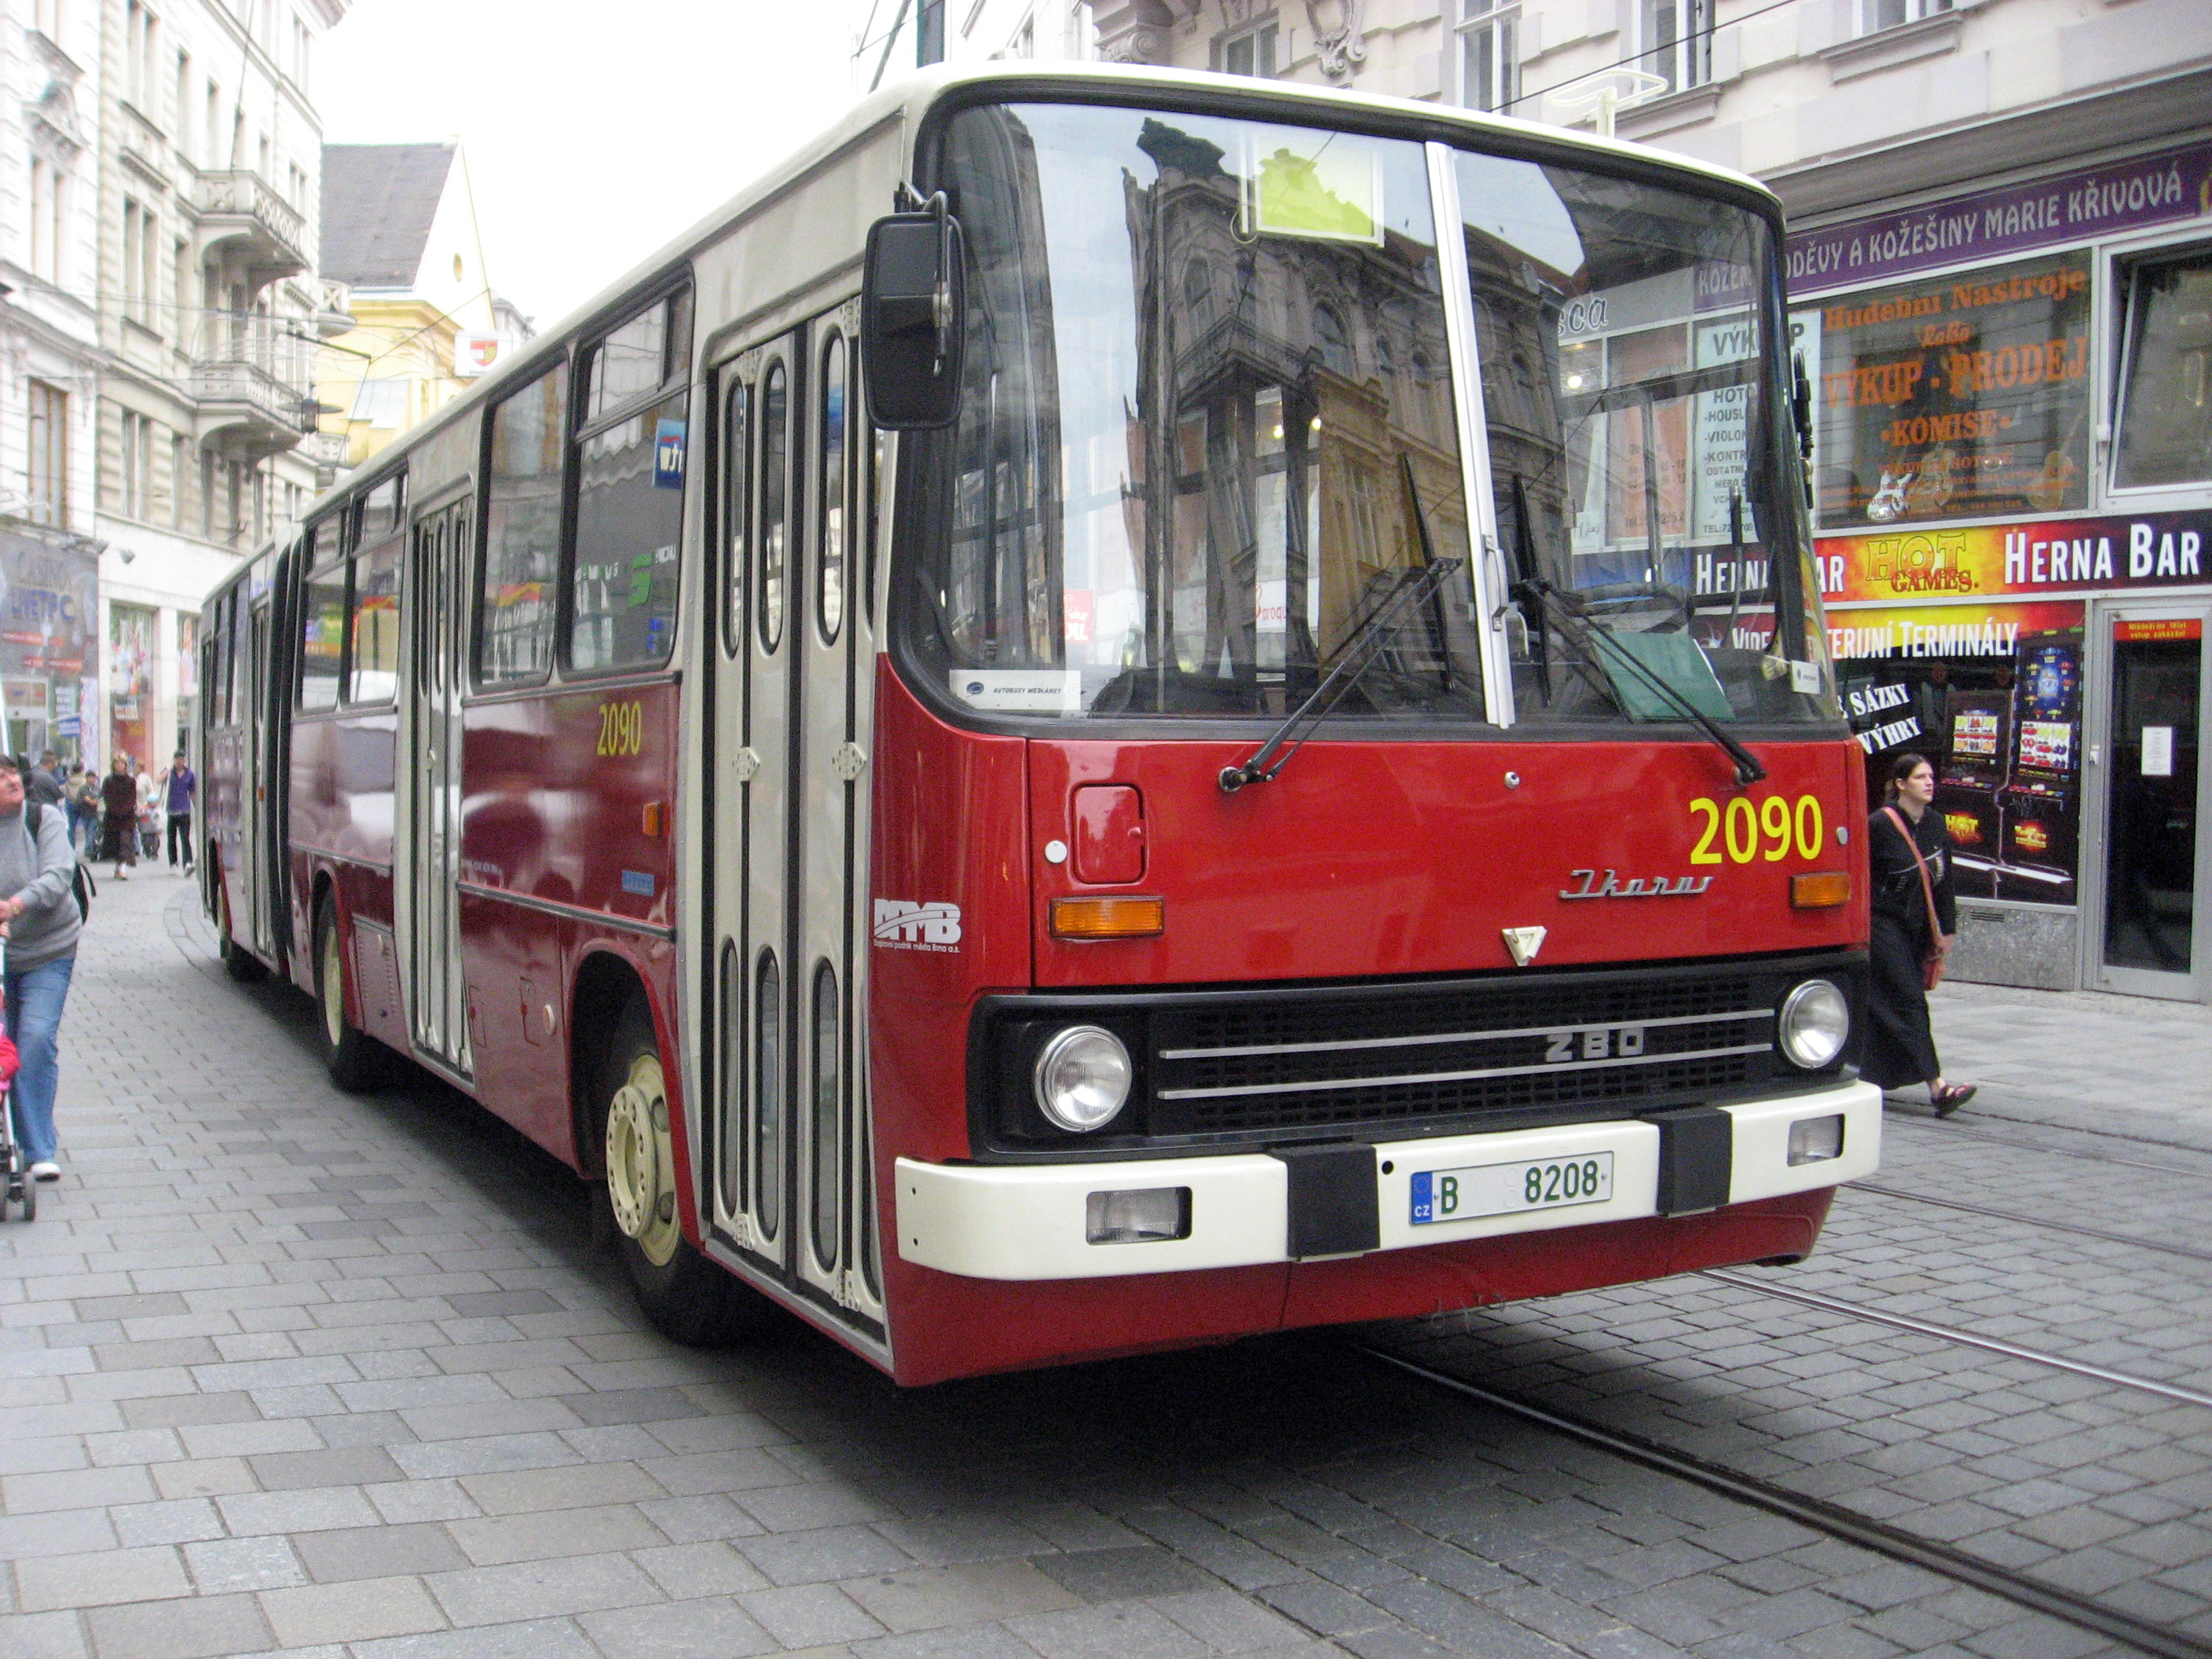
[1815,1023]
[1082,1079]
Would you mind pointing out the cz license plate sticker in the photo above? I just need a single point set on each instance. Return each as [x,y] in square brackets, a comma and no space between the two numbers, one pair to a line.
[1546,1184]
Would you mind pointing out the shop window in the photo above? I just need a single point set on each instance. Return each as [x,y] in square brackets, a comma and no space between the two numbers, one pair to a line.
[2166,393]
[522,532]
[1956,397]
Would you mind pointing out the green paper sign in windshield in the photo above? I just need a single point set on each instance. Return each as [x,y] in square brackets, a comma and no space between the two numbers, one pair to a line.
[1332,194]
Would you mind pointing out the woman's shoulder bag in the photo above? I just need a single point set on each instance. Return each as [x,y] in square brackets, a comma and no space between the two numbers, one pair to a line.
[1931,967]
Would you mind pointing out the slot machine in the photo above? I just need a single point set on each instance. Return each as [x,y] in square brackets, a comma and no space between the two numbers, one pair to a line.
[2039,804]
[1971,771]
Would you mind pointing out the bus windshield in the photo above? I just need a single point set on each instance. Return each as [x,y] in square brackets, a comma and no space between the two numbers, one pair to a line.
[1209,436]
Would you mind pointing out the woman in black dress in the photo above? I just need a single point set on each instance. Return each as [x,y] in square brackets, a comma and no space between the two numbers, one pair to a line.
[1900,1049]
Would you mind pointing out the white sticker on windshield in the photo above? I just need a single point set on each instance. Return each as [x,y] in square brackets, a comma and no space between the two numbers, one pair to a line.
[1019,691]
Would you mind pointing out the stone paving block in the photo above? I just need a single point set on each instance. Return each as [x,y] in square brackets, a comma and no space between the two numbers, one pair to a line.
[1227,1622]
[224,1565]
[536,1638]
[547,1534]
[968,1592]
[53,1582]
[832,1554]
[357,1611]
[967,1642]
[42,1636]
[202,1627]
[1120,1630]
[1120,1574]
[573,1485]
[810,1615]
[683,1629]
[382,1551]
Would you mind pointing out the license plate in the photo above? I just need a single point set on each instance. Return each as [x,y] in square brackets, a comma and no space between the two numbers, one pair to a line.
[1546,1184]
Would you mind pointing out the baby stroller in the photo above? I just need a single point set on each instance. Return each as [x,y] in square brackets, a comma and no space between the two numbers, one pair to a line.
[16,1186]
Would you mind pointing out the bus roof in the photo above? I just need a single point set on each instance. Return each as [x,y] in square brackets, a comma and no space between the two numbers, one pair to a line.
[906,100]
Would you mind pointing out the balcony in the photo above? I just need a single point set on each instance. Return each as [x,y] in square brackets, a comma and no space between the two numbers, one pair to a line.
[252,380]
[243,221]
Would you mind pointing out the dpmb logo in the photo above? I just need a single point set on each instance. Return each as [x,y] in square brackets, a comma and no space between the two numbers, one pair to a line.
[902,925]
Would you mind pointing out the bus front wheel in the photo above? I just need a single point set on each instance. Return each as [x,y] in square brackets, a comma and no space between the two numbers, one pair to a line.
[354,1059]
[686,1297]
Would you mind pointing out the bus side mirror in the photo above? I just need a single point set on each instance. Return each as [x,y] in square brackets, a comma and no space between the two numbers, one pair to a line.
[912,317]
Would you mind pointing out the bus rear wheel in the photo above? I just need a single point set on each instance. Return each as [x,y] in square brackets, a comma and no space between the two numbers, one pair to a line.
[686,1297]
[354,1059]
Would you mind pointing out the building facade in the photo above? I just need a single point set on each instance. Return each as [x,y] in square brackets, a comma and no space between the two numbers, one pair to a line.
[2001,268]
[399,231]
[50,358]
[208,314]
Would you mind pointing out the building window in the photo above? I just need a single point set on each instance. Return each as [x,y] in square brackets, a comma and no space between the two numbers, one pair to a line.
[141,29]
[1490,54]
[49,214]
[1249,52]
[177,477]
[46,18]
[1678,42]
[2165,387]
[135,472]
[1875,15]
[142,242]
[46,475]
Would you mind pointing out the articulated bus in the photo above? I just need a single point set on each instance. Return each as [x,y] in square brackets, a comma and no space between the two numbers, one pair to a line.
[1122,708]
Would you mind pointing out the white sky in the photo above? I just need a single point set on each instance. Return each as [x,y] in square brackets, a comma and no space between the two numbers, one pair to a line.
[594,133]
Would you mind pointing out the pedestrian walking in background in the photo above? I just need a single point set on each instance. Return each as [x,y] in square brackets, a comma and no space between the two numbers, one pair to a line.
[118,820]
[44,784]
[150,811]
[81,795]
[37,874]
[178,784]
[1916,921]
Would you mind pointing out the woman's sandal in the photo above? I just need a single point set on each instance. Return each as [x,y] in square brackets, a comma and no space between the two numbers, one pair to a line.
[1951,1096]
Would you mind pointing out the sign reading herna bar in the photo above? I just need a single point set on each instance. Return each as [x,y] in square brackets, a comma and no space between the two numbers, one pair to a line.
[2159,550]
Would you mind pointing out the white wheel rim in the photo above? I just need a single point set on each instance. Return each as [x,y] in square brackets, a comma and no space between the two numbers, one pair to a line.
[641,1162]
[333,987]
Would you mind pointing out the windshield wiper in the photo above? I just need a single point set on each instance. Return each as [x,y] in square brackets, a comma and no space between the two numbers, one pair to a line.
[1534,591]
[1360,649]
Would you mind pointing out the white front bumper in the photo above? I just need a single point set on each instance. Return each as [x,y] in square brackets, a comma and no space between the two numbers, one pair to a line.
[1027,1221]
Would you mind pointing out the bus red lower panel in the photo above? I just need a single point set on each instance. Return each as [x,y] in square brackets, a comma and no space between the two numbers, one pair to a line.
[944,1326]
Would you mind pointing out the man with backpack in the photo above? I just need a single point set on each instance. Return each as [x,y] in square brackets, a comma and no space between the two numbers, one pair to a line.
[42,915]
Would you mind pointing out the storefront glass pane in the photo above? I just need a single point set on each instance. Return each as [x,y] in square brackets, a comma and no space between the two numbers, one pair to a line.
[2166,407]
[1954,398]
[2150,860]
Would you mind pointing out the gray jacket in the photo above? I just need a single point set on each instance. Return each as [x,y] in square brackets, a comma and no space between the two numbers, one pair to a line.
[41,876]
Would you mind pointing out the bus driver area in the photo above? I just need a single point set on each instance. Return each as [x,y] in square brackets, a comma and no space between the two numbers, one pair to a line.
[1181,1214]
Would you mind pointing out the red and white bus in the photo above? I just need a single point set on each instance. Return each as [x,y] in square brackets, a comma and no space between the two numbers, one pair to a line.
[1122,708]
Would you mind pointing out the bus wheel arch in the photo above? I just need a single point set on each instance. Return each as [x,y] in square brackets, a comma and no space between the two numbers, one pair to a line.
[625,1145]
[354,1059]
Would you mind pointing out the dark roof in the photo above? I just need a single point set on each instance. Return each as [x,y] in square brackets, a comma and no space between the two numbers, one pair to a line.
[378,202]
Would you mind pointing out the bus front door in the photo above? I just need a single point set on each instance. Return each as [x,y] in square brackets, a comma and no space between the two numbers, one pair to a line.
[786,808]
[430,850]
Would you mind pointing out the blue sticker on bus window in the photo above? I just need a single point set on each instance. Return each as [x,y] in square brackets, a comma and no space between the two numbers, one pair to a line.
[668,455]
[638,882]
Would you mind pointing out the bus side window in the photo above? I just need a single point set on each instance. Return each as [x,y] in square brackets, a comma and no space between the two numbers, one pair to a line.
[373,613]
[629,496]
[322,620]
[737,451]
[522,532]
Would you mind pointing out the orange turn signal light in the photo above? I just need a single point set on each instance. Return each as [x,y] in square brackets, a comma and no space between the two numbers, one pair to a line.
[1116,917]
[654,815]
[1823,889]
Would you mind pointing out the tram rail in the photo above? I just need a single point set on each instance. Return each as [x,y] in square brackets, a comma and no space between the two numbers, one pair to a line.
[1953,1129]
[2040,1222]
[1832,1519]
[1963,1339]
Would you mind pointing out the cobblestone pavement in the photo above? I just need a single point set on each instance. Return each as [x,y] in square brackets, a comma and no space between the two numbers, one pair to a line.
[286,1371]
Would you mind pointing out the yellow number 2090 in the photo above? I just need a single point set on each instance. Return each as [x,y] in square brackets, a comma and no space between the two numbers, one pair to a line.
[621,728]
[1771,829]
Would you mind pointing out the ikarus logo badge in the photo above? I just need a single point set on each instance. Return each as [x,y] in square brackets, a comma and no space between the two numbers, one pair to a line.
[902,925]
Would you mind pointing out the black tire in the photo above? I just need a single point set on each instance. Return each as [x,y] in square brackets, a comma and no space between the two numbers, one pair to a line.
[687,1297]
[354,1059]
[241,963]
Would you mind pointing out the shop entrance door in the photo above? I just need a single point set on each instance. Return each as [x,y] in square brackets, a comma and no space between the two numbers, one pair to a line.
[2149,923]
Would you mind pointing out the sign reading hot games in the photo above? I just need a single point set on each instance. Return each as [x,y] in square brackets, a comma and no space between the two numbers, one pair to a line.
[1958,397]
[2146,550]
